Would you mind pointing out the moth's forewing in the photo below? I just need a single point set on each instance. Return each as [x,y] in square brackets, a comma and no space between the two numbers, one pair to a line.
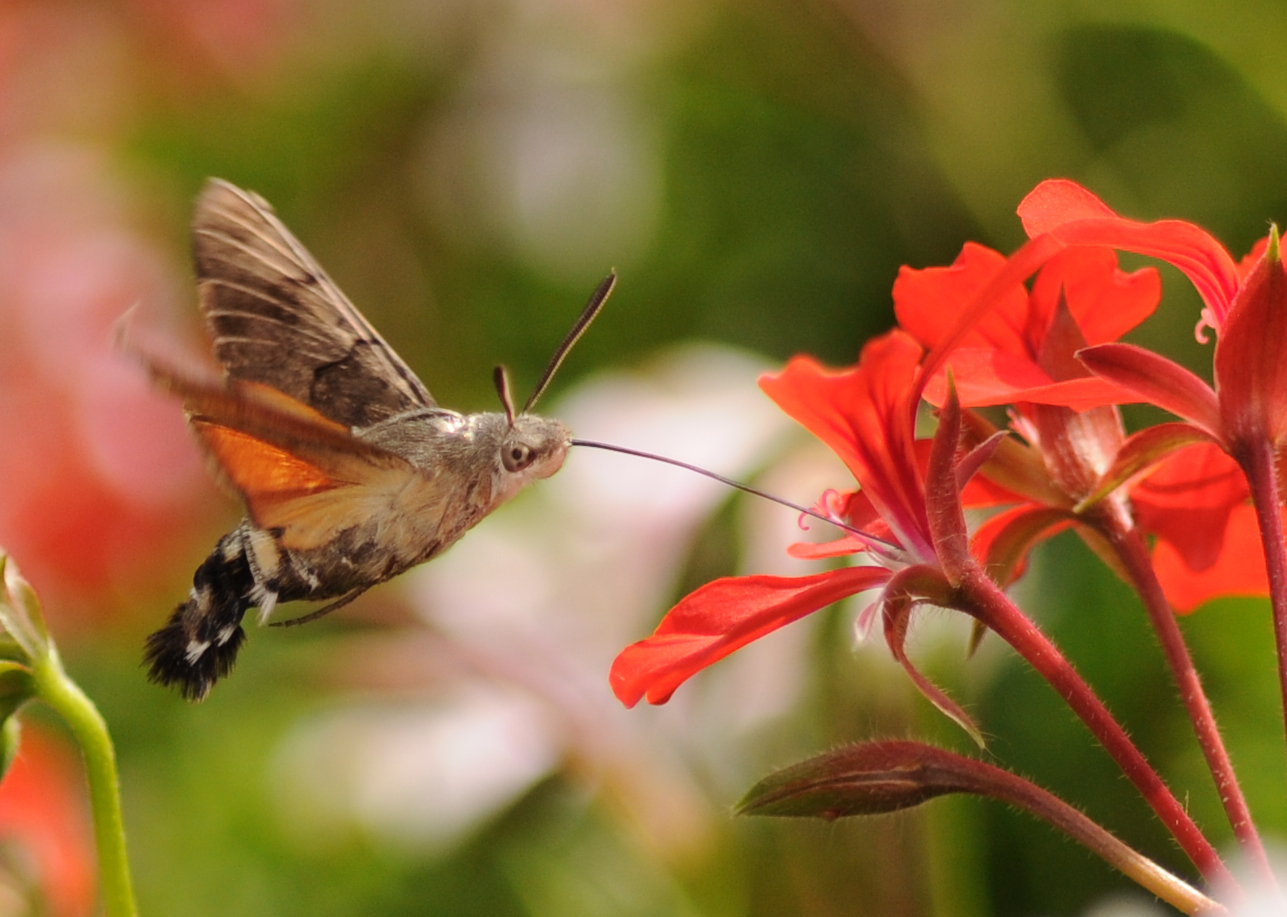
[278,319]
[299,473]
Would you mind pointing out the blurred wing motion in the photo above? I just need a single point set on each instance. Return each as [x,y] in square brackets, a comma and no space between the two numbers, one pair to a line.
[302,476]
[278,319]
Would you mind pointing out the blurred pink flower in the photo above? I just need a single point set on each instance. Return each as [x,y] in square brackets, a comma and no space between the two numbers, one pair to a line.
[96,470]
[230,36]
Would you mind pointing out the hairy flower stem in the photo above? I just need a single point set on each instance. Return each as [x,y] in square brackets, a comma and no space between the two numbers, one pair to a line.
[56,689]
[1258,465]
[1131,549]
[1007,787]
[982,598]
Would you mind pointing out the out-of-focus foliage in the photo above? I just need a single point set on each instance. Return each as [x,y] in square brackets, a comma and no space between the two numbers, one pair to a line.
[467,171]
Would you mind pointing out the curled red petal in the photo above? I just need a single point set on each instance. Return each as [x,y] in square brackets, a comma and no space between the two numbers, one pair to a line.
[1057,201]
[1064,210]
[724,616]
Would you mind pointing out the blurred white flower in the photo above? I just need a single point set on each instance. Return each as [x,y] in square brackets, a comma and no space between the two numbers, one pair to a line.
[532,607]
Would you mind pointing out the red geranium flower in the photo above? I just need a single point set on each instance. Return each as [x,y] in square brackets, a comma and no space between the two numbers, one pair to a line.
[1245,414]
[1022,352]
[1246,305]
[867,415]
[1004,357]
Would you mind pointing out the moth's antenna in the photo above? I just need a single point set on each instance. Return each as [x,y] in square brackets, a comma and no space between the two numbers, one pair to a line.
[588,314]
[879,544]
[500,377]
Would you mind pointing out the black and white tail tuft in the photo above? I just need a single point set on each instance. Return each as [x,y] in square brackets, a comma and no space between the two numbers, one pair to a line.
[199,644]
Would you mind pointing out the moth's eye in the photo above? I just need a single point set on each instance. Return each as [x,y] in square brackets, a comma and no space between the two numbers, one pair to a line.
[517,456]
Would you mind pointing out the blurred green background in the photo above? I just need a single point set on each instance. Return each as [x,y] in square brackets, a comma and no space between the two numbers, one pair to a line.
[467,170]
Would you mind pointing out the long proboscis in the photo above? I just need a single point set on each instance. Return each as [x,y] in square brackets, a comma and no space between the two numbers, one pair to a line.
[588,315]
[867,538]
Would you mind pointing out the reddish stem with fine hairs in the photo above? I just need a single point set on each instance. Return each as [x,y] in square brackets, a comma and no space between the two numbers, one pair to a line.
[985,600]
[1258,465]
[1131,549]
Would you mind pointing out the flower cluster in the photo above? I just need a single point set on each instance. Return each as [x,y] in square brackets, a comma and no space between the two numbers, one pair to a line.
[1184,511]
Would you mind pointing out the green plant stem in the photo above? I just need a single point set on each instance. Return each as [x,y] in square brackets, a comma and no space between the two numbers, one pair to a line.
[62,694]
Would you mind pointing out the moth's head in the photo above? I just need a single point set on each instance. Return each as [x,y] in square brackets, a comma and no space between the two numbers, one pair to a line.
[534,447]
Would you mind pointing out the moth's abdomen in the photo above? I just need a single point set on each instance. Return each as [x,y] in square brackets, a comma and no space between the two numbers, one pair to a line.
[199,643]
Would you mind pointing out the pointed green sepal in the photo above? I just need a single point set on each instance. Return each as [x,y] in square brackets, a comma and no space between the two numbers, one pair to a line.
[20,614]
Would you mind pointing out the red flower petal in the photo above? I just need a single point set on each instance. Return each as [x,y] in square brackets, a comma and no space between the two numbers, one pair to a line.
[985,386]
[1238,570]
[865,415]
[998,360]
[1057,201]
[1187,502]
[1105,302]
[928,303]
[722,617]
[1071,214]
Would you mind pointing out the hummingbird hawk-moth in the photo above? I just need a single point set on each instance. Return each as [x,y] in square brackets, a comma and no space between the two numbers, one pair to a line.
[350,472]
